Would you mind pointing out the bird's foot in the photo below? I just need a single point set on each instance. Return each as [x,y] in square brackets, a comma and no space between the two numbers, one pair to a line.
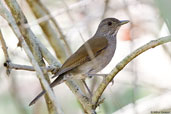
[104,78]
[103,75]
[112,82]
[90,93]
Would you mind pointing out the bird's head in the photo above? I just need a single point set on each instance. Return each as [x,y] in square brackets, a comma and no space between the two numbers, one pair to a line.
[110,26]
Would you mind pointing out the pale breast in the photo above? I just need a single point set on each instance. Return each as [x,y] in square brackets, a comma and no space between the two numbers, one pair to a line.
[104,58]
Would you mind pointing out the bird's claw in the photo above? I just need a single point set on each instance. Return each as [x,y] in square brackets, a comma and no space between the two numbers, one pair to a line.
[112,82]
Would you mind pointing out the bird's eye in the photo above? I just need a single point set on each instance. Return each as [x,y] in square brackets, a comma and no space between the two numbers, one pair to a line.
[109,23]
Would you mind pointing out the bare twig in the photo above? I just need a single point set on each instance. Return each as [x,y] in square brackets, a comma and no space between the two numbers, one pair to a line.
[106,3]
[26,67]
[4,48]
[166,49]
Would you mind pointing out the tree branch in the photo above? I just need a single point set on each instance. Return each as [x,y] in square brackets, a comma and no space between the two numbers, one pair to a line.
[4,48]
[26,67]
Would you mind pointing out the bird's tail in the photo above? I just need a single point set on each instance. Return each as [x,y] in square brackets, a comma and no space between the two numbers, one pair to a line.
[57,81]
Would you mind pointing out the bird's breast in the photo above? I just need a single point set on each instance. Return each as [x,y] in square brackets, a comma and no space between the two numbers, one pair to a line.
[105,58]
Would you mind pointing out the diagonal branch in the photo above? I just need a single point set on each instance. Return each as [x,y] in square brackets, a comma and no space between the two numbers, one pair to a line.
[4,48]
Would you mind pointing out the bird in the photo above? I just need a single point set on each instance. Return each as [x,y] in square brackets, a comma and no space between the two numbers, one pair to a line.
[91,57]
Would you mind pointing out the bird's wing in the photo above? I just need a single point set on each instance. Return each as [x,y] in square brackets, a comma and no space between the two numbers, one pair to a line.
[82,55]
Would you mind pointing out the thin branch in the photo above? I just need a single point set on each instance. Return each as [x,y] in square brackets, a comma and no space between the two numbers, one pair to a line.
[123,63]
[166,49]
[26,67]
[106,3]
[4,48]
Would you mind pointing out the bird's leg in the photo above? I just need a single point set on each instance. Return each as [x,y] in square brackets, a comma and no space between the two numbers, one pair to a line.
[90,93]
[103,75]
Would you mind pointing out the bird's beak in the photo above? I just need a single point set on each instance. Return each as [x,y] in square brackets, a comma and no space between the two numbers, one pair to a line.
[123,22]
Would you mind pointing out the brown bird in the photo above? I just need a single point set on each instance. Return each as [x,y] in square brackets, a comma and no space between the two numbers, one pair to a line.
[92,56]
